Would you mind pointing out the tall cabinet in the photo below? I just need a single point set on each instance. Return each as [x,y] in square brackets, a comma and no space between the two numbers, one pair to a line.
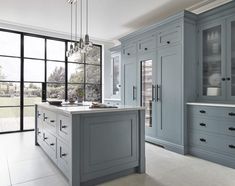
[157,63]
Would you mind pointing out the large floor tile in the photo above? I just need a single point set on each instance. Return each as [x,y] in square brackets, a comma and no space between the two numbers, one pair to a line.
[4,172]
[28,170]
[55,180]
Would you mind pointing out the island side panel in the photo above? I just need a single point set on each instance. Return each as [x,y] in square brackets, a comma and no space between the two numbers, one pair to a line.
[141,168]
[75,150]
[36,125]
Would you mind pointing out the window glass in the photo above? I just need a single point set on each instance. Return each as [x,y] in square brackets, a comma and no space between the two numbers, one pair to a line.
[56,72]
[9,69]
[9,94]
[55,91]
[55,50]
[93,56]
[34,47]
[75,73]
[76,91]
[92,74]
[34,70]
[32,93]
[9,44]
[93,93]
[9,119]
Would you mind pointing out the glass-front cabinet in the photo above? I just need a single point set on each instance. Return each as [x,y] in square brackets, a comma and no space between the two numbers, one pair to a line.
[212,62]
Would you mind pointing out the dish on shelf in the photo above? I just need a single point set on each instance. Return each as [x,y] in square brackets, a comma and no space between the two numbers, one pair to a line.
[55,102]
[214,79]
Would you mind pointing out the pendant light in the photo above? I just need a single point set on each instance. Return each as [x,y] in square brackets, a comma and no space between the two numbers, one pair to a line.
[81,46]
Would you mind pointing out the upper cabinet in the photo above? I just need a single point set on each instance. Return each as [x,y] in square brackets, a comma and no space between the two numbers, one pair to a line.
[216,60]
[212,61]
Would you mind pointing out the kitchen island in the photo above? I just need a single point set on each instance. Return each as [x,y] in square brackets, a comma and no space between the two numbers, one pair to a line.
[90,145]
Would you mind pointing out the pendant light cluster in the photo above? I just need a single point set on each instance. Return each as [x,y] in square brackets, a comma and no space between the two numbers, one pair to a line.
[80,46]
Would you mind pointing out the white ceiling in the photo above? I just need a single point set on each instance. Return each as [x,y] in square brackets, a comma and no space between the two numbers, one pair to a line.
[109,19]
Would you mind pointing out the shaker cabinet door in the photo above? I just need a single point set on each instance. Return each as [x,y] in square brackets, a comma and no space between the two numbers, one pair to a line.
[212,66]
[169,94]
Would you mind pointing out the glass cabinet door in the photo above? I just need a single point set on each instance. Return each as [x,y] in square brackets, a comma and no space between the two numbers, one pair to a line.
[146,90]
[231,55]
[212,69]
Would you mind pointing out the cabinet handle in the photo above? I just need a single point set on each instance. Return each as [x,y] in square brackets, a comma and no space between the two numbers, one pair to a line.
[168,42]
[153,93]
[158,89]
[139,46]
[52,121]
[232,146]
[45,138]
[39,132]
[62,154]
[228,78]
[52,144]
[62,126]
[39,114]
[128,54]
[134,93]
[202,111]
[145,49]
[231,114]
[202,140]
[231,128]
[45,118]
[203,124]
[223,79]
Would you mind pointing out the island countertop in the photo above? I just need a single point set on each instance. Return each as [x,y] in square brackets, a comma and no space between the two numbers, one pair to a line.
[85,109]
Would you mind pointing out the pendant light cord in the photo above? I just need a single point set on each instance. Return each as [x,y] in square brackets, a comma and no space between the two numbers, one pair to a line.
[76,19]
[71,21]
[86,16]
[81,20]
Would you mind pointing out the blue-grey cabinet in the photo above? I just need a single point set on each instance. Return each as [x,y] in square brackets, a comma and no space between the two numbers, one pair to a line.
[169,94]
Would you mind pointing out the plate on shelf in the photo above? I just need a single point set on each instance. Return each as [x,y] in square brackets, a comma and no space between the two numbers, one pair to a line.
[55,102]
[215,79]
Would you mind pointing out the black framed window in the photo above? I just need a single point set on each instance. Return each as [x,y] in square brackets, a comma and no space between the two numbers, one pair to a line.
[34,68]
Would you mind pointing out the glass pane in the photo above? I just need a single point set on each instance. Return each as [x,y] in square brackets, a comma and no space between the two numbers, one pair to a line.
[9,94]
[55,72]
[212,61]
[55,91]
[75,73]
[29,118]
[9,119]
[233,57]
[93,56]
[116,75]
[76,91]
[77,58]
[34,47]
[93,93]
[34,70]
[55,50]
[32,93]
[93,74]
[146,90]
[9,44]
[9,69]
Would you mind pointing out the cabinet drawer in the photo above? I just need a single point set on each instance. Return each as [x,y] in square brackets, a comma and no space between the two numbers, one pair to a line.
[64,127]
[224,112]
[147,44]
[212,125]
[50,140]
[169,36]
[49,119]
[218,143]
[63,157]
[129,50]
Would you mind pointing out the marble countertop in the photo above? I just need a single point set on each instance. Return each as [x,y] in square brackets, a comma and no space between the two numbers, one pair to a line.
[212,104]
[85,109]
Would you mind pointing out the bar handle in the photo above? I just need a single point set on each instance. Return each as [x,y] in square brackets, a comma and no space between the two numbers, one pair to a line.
[158,90]
[134,93]
[153,93]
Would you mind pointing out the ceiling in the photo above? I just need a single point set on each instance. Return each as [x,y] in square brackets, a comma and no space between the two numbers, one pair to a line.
[109,19]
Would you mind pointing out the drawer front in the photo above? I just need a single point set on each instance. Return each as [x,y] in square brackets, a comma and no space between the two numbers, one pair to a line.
[63,157]
[49,119]
[212,125]
[169,36]
[220,112]
[129,50]
[50,140]
[64,127]
[147,44]
[218,143]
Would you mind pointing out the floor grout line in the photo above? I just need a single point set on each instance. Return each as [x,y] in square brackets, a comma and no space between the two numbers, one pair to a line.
[9,173]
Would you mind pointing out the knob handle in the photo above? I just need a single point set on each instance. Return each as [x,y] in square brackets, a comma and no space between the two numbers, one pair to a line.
[202,140]
[52,121]
[52,144]
[202,111]
[232,146]
[168,42]
[223,79]
[203,124]
[231,114]
[128,54]
[145,48]
[231,128]
[228,78]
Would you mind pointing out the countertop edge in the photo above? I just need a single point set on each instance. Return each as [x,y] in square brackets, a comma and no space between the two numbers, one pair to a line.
[211,104]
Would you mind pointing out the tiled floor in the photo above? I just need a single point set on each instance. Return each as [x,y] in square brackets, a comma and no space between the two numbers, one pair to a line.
[23,164]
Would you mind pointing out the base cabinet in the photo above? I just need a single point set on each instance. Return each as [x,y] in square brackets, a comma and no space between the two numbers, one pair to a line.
[212,133]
